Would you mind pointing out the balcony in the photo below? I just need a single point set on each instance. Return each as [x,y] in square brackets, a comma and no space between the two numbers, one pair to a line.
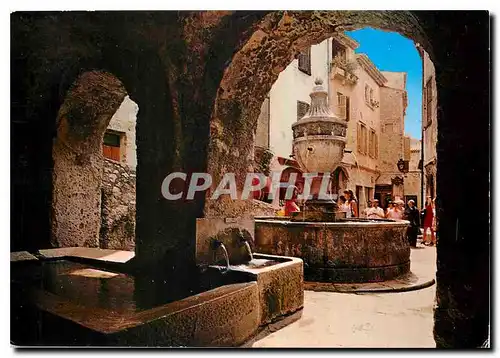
[343,70]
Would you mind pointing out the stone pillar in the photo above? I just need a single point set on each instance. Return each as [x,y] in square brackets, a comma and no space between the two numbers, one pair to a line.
[77,154]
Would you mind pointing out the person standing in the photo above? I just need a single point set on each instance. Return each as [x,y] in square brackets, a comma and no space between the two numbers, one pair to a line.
[353,205]
[291,204]
[429,222]
[342,204]
[390,209]
[375,212]
[413,216]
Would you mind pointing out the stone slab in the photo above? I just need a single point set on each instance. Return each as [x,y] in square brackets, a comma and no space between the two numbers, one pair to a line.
[105,255]
[19,256]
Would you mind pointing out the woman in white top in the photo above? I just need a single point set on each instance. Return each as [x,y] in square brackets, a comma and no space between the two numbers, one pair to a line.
[352,204]
[344,207]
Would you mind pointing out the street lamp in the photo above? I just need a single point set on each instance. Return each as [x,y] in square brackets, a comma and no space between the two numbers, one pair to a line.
[403,166]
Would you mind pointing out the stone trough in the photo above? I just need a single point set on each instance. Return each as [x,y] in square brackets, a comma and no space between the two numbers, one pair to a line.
[77,297]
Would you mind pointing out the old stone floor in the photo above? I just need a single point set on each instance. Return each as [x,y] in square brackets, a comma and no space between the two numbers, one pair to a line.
[385,320]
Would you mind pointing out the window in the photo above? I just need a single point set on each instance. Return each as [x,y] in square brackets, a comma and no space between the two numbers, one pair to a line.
[111,145]
[302,109]
[373,144]
[305,61]
[362,138]
[428,102]
[338,50]
[389,128]
[367,94]
[342,109]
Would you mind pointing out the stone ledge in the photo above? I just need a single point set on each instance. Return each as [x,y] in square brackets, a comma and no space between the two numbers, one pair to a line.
[373,287]
[20,256]
[105,255]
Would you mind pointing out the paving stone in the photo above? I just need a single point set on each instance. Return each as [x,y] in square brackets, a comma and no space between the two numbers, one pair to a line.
[385,320]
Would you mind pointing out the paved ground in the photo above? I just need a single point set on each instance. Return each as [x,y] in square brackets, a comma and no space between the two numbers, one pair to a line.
[385,320]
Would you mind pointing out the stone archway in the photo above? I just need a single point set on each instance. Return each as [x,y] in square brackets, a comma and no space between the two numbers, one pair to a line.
[264,50]
[77,153]
[272,44]
[177,63]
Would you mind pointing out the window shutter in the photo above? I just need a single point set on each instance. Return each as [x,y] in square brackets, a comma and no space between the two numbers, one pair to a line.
[365,140]
[406,153]
[302,109]
[342,106]
[376,145]
[304,59]
[359,139]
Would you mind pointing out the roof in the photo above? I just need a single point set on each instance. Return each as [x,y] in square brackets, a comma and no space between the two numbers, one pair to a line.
[371,69]
[346,40]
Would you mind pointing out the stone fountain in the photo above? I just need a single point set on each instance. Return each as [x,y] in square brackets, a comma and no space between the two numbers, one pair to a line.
[333,248]
[318,145]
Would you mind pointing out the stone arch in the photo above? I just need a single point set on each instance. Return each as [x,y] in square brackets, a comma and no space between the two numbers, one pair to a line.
[461,318]
[271,44]
[77,154]
[340,180]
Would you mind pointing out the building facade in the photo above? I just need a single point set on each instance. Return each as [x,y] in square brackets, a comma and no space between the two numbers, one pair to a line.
[372,102]
[429,124]
[412,179]
[118,186]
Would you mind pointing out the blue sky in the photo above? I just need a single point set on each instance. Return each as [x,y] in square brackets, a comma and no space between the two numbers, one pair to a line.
[390,51]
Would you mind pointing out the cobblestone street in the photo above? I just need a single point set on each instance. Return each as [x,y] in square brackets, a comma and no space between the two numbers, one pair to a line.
[385,320]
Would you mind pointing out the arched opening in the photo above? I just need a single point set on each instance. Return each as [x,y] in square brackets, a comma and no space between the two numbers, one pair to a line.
[265,54]
[276,40]
[340,180]
[78,162]
[176,94]
[118,191]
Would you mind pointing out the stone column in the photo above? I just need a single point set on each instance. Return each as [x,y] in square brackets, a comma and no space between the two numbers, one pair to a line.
[77,154]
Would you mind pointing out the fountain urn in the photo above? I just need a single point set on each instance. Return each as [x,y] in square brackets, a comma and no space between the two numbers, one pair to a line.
[319,140]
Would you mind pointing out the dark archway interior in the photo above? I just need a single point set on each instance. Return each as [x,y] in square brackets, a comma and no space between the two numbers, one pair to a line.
[175,64]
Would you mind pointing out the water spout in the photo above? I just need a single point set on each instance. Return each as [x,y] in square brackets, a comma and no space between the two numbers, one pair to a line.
[226,256]
[215,245]
[249,249]
[244,241]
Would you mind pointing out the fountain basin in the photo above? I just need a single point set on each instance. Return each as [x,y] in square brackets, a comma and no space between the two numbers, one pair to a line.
[280,283]
[68,300]
[350,250]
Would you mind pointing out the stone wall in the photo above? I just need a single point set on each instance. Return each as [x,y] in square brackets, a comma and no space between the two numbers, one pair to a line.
[262,131]
[392,130]
[201,75]
[412,182]
[117,207]
[77,154]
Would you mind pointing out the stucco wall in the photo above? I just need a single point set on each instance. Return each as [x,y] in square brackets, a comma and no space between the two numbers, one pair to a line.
[124,121]
[430,133]
[395,79]
[291,86]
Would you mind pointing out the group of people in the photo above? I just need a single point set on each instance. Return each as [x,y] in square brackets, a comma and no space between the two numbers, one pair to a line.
[395,210]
